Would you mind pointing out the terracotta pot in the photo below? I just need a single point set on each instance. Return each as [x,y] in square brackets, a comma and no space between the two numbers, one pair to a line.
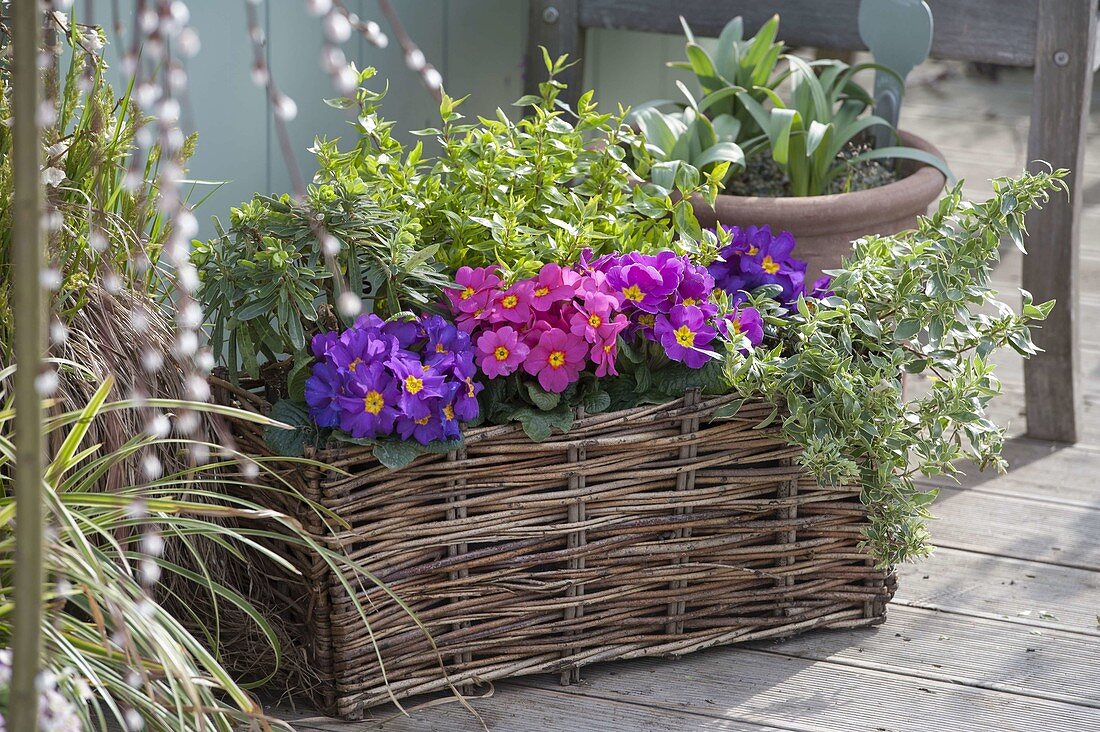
[824,226]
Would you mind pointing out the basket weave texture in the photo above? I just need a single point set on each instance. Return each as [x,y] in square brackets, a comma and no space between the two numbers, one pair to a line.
[650,531]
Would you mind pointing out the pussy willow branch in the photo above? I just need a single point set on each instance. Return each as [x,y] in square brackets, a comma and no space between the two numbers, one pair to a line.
[414,57]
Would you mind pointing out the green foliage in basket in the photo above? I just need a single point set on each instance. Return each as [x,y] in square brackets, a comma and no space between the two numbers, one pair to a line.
[811,134]
[267,283]
[514,194]
[522,193]
[914,303]
[105,221]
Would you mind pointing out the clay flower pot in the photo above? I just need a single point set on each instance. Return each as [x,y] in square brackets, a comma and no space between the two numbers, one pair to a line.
[824,226]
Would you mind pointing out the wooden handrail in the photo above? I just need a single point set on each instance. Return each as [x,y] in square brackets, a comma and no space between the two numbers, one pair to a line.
[993,31]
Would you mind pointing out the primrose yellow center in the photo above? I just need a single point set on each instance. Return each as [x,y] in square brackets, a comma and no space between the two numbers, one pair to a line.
[647,319]
[689,301]
[685,336]
[542,291]
[449,412]
[607,348]
[467,293]
[413,384]
[422,421]
[556,359]
[501,354]
[595,320]
[753,250]
[478,312]
[736,327]
[373,402]
[440,348]
[510,301]
[470,392]
[770,265]
[353,364]
[633,293]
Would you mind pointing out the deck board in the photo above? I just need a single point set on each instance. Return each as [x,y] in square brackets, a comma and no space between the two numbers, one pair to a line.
[530,709]
[1010,590]
[998,630]
[1017,527]
[977,652]
[1039,471]
[800,693]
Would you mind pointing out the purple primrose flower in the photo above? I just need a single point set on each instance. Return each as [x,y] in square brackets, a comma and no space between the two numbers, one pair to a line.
[684,333]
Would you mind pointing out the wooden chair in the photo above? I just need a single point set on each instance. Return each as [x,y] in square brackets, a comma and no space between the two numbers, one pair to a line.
[1056,37]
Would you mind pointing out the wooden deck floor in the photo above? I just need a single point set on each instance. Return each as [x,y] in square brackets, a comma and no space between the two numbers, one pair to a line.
[998,631]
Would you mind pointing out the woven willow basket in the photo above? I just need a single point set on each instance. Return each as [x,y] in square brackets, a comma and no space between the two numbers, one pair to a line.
[648,531]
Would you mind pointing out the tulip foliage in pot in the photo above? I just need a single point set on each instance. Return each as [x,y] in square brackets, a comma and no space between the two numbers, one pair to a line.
[522,274]
[811,135]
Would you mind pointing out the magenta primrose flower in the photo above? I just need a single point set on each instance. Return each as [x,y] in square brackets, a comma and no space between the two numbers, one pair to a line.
[595,311]
[605,349]
[552,285]
[604,356]
[646,281]
[684,333]
[557,360]
[470,322]
[500,352]
[475,290]
[514,305]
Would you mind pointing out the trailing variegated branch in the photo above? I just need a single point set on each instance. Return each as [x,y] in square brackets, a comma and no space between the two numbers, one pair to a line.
[912,303]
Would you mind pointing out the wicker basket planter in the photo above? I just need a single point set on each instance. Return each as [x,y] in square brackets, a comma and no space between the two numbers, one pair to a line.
[651,531]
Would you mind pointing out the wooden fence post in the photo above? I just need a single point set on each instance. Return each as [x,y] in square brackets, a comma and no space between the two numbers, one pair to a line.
[1060,104]
[554,24]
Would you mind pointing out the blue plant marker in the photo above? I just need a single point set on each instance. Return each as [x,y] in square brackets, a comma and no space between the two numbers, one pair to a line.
[899,35]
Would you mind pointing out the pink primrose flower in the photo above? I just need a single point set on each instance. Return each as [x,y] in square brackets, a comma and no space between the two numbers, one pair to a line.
[557,360]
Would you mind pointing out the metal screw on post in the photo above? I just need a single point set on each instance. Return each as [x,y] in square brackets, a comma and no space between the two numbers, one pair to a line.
[550,15]
[1061,58]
